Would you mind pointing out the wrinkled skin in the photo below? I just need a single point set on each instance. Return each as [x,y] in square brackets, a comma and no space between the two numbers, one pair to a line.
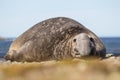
[55,39]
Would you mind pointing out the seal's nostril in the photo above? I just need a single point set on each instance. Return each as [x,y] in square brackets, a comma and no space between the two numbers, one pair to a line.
[75,50]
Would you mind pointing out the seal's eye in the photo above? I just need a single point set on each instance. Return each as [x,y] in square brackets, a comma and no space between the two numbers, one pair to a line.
[74,40]
[91,39]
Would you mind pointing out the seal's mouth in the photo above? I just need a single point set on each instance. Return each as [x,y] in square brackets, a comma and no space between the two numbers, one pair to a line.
[77,55]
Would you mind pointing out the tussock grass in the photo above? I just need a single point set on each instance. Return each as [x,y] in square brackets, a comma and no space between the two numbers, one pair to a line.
[76,69]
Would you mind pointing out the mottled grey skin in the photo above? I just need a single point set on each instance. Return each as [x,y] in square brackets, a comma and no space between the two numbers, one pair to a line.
[81,45]
[55,38]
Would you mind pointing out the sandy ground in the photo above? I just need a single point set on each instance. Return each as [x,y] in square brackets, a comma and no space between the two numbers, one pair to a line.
[76,69]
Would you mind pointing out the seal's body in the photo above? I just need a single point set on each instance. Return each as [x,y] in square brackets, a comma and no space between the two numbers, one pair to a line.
[55,38]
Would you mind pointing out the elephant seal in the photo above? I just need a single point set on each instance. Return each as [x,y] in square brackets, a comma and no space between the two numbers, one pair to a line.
[55,38]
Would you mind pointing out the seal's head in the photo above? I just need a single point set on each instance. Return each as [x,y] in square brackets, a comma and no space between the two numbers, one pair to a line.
[81,45]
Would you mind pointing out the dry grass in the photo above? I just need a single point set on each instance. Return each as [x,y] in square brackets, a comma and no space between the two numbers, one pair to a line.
[77,69]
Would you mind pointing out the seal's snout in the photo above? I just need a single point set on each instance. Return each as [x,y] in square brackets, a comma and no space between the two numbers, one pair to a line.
[81,45]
